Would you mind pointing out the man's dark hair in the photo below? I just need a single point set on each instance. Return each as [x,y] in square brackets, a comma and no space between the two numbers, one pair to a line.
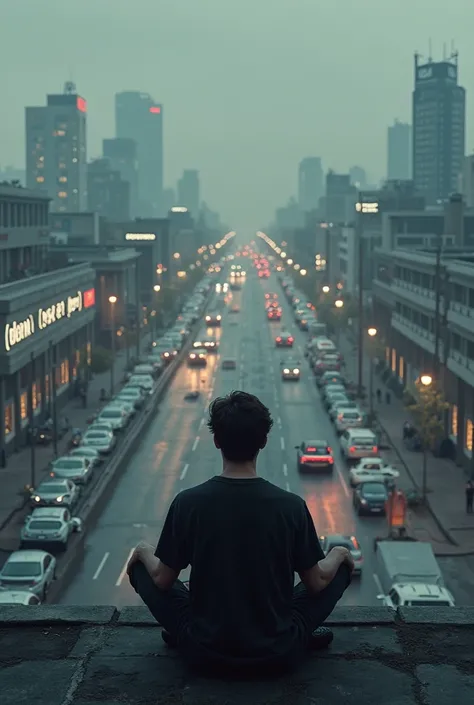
[240,424]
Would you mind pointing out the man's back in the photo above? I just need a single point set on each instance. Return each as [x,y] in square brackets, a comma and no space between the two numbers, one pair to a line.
[243,540]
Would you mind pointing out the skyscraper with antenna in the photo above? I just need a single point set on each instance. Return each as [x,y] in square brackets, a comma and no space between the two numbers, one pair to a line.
[439,118]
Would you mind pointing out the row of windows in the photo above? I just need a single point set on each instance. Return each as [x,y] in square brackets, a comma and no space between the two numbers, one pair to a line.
[23,214]
[468,429]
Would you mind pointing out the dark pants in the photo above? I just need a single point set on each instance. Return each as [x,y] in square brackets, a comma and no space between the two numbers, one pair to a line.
[469,504]
[171,608]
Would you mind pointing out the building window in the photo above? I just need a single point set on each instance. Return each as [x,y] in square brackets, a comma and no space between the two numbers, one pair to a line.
[40,179]
[401,368]
[24,406]
[89,353]
[77,358]
[468,440]
[454,421]
[36,396]
[62,194]
[8,419]
[62,374]
[394,361]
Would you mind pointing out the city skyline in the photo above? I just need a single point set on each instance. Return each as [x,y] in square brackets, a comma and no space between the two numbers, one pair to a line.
[226,118]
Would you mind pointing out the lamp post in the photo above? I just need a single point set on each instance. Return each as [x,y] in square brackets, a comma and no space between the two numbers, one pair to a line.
[339,304]
[426,381]
[372,333]
[112,300]
[156,289]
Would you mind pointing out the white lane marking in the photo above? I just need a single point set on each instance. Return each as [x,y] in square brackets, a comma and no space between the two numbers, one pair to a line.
[279,421]
[285,469]
[185,470]
[272,370]
[195,444]
[201,423]
[282,442]
[342,479]
[378,583]
[287,487]
[100,566]
[124,569]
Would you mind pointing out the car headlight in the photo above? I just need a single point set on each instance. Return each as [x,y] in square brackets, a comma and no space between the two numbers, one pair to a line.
[296,371]
[59,499]
[286,371]
[192,356]
[37,499]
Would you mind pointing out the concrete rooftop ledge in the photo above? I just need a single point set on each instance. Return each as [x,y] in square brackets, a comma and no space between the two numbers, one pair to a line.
[54,655]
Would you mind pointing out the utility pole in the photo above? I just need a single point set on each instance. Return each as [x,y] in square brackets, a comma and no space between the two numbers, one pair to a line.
[360,255]
[437,314]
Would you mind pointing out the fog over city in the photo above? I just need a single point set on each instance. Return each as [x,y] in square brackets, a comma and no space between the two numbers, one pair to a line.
[249,87]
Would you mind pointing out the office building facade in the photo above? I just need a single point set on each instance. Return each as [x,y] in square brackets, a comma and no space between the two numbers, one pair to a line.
[56,154]
[139,118]
[122,155]
[188,191]
[439,115]
[108,193]
[310,183]
[399,151]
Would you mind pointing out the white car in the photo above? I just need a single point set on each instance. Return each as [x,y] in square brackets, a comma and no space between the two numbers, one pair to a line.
[116,416]
[348,418]
[358,443]
[18,597]
[145,382]
[373,464]
[357,477]
[102,441]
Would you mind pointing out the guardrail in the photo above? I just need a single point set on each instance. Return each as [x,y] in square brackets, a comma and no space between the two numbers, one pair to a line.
[99,492]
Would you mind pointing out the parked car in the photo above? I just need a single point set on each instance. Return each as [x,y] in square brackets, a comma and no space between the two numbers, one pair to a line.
[145,382]
[385,474]
[103,441]
[87,452]
[31,570]
[358,443]
[49,527]
[127,406]
[116,416]
[133,394]
[55,493]
[18,597]
[79,470]
[348,418]
[339,405]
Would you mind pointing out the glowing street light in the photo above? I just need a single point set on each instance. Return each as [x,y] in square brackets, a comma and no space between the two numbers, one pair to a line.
[290,261]
[176,255]
[156,288]
[326,289]
[372,332]
[283,255]
[113,299]
[426,380]
[303,272]
[339,303]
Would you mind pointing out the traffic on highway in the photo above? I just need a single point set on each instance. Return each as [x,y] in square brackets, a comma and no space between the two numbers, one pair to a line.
[247,327]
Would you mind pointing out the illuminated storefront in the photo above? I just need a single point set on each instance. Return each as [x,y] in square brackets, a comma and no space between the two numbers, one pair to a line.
[46,326]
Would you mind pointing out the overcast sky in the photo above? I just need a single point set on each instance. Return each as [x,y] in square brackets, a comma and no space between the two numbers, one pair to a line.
[249,86]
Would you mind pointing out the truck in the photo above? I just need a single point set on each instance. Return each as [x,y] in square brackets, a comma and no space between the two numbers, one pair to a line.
[409,575]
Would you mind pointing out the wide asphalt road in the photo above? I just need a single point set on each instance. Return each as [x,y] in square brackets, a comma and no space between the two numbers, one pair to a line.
[178,452]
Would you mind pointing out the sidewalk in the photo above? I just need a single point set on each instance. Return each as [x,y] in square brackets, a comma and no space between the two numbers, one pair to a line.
[446,482]
[17,474]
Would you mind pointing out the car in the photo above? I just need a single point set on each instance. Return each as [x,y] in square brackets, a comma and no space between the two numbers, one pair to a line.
[314,455]
[133,395]
[272,304]
[209,344]
[338,404]
[18,597]
[284,340]
[302,322]
[358,443]
[271,295]
[290,370]
[229,363]
[385,474]
[116,416]
[32,570]
[197,358]
[372,464]
[145,382]
[79,470]
[235,309]
[274,314]
[143,369]
[102,440]
[101,426]
[57,492]
[48,527]
[348,418]
[330,390]
[329,378]
[328,363]
[86,452]
[333,398]
[213,320]
[350,542]
[167,353]
[127,406]
[370,498]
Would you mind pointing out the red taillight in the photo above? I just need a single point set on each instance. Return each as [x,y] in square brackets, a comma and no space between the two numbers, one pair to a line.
[329,450]
[278,340]
[375,449]
[352,449]
[290,340]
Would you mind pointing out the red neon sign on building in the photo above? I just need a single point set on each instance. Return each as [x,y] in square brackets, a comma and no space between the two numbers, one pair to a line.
[89,298]
[155,109]
[81,104]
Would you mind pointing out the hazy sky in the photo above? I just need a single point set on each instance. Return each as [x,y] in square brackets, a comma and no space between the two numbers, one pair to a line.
[249,86]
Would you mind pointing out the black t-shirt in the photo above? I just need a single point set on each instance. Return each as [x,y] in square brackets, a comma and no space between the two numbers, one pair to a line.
[244,540]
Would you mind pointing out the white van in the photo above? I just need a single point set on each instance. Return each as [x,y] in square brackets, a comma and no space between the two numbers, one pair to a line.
[359,443]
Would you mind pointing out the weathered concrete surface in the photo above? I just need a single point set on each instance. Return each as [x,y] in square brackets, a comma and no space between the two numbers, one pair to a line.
[87,656]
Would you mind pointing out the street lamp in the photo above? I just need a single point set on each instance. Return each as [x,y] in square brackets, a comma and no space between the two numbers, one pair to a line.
[326,289]
[112,301]
[372,332]
[426,381]
[303,272]
[339,303]
[156,289]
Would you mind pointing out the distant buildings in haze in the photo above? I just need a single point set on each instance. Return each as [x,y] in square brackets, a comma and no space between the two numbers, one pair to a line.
[399,151]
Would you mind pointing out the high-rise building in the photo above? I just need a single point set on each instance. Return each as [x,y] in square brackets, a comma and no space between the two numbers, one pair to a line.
[188,191]
[56,150]
[310,183]
[108,193]
[439,116]
[467,181]
[358,177]
[139,118]
[399,151]
[122,155]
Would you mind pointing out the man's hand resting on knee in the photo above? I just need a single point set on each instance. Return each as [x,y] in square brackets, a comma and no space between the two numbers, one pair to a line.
[320,575]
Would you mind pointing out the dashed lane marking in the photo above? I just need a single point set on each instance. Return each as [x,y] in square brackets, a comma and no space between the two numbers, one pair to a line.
[282,442]
[184,471]
[100,566]
[285,469]
[124,569]
[287,487]
[195,444]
